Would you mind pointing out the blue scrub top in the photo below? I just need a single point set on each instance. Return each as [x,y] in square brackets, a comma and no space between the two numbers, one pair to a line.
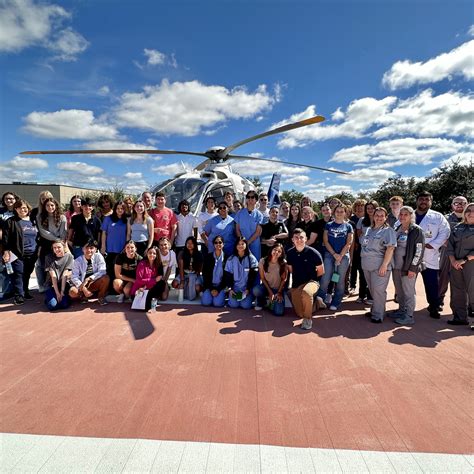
[248,222]
[223,227]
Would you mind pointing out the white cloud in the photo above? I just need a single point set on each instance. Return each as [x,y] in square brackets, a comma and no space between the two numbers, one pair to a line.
[24,23]
[78,167]
[462,158]
[401,151]
[373,175]
[71,124]
[423,115]
[104,90]
[173,168]
[188,108]
[259,168]
[22,162]
[297,180]
[457,62]
[154,57]
[133,175]
[19,168]
[427,115]
[67,44]
[360,116]
[470,32]
[320,191]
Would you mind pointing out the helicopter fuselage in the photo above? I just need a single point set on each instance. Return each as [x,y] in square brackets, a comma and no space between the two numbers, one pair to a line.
[195,186]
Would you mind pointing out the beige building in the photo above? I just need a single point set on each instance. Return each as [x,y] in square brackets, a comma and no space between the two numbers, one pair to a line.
[30,191]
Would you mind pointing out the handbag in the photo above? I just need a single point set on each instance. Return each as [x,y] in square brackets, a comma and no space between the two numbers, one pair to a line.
[139,302]
[335,276]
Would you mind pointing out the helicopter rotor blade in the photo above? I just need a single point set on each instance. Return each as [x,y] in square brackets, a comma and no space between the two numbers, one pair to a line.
[202,165]
[111,152]
[284,128]
[239,157]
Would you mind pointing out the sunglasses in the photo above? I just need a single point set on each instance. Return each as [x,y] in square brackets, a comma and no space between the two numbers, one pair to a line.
[222,208]
[218,242]
[251,197]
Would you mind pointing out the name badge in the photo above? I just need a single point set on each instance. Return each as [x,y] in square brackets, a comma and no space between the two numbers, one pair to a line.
[428,234]
[402,238]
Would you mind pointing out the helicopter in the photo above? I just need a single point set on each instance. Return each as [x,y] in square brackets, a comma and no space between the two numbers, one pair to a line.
[212,177]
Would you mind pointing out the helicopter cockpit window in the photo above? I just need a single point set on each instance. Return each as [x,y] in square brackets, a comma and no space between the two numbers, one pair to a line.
[218,191]
[178,189]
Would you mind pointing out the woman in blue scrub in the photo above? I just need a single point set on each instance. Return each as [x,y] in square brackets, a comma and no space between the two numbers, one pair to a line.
[248,224]
[223,225]
[240,273]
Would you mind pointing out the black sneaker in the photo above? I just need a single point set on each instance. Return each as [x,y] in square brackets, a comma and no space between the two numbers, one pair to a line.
[19,300]
[28,296]
[458,322]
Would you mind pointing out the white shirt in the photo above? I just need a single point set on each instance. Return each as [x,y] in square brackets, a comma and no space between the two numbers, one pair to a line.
[202,221]
[185,228]
[436,230]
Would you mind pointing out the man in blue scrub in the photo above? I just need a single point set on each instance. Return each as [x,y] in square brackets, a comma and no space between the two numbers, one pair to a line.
[248,223]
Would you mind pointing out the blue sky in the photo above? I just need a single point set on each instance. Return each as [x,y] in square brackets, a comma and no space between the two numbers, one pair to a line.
[393,80]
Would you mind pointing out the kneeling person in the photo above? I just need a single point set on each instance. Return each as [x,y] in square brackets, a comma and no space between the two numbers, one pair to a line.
[89,275]
[59,266]
[306,266]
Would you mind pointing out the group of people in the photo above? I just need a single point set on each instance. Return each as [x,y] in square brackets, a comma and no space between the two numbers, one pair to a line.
[244,255]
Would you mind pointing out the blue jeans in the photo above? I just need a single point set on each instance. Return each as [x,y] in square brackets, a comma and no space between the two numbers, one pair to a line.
[246,303]
[208,300]
[260,292]
[329,267]
[52,303]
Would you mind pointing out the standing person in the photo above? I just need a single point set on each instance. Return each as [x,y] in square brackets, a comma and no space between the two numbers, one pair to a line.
[436,229]
[128,202]
[333,203]
[190,267]
[89,275]
[203,219]
[35,212]
[114,236]
[263,206]
[147,200]
[59,267]
[292,223]
[458,205]
[306,266]
[125,271]
[19,249]
[284,213]
[308,224]
[365,223]
[169,262]
[237,206]
[224,225]
[84,227]
[6,211]
[356,269]
[272,232]
[248,224]
[378,244]
[273,271]
[213,275]
[306,201]
[165,221]
[52,226]
[240,275]
[229,199]
[407,262]
[461,255]
[186,225]
[319,227]
[395,203]
[337,238]
[140,228]
[150,277]
[105,206]
[74,208]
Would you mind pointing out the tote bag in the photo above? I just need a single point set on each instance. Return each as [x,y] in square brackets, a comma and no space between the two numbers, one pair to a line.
[139,302]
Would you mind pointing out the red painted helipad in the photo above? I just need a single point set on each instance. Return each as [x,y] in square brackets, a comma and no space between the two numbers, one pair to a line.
[189,374]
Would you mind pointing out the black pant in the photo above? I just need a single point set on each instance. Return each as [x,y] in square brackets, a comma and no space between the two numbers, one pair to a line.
[28,267]
[155,292]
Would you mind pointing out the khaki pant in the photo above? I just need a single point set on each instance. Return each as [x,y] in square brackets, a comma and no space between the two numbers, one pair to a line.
[101,286]
[302,298]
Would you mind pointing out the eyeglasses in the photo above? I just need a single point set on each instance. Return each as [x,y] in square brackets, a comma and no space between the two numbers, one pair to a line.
[251,197]
[222,208]
[459,203]
[218,242]
[263,199]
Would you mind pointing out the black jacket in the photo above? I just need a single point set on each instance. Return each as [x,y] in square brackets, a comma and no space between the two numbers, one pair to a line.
[12,238]
[413,261]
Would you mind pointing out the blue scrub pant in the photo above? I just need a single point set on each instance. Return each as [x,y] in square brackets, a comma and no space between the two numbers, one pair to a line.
[208,300]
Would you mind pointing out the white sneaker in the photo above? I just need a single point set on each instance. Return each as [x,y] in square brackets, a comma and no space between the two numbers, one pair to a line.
[258,308]
[321,303]
[307,324]
[333,308]
[120,298]
[328,299]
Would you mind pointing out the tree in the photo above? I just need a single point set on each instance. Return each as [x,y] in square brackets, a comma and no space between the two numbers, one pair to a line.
[291,196]
[407,188]
[257,183]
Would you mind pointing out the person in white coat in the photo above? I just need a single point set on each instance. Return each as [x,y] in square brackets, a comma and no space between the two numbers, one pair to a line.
[436,230]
